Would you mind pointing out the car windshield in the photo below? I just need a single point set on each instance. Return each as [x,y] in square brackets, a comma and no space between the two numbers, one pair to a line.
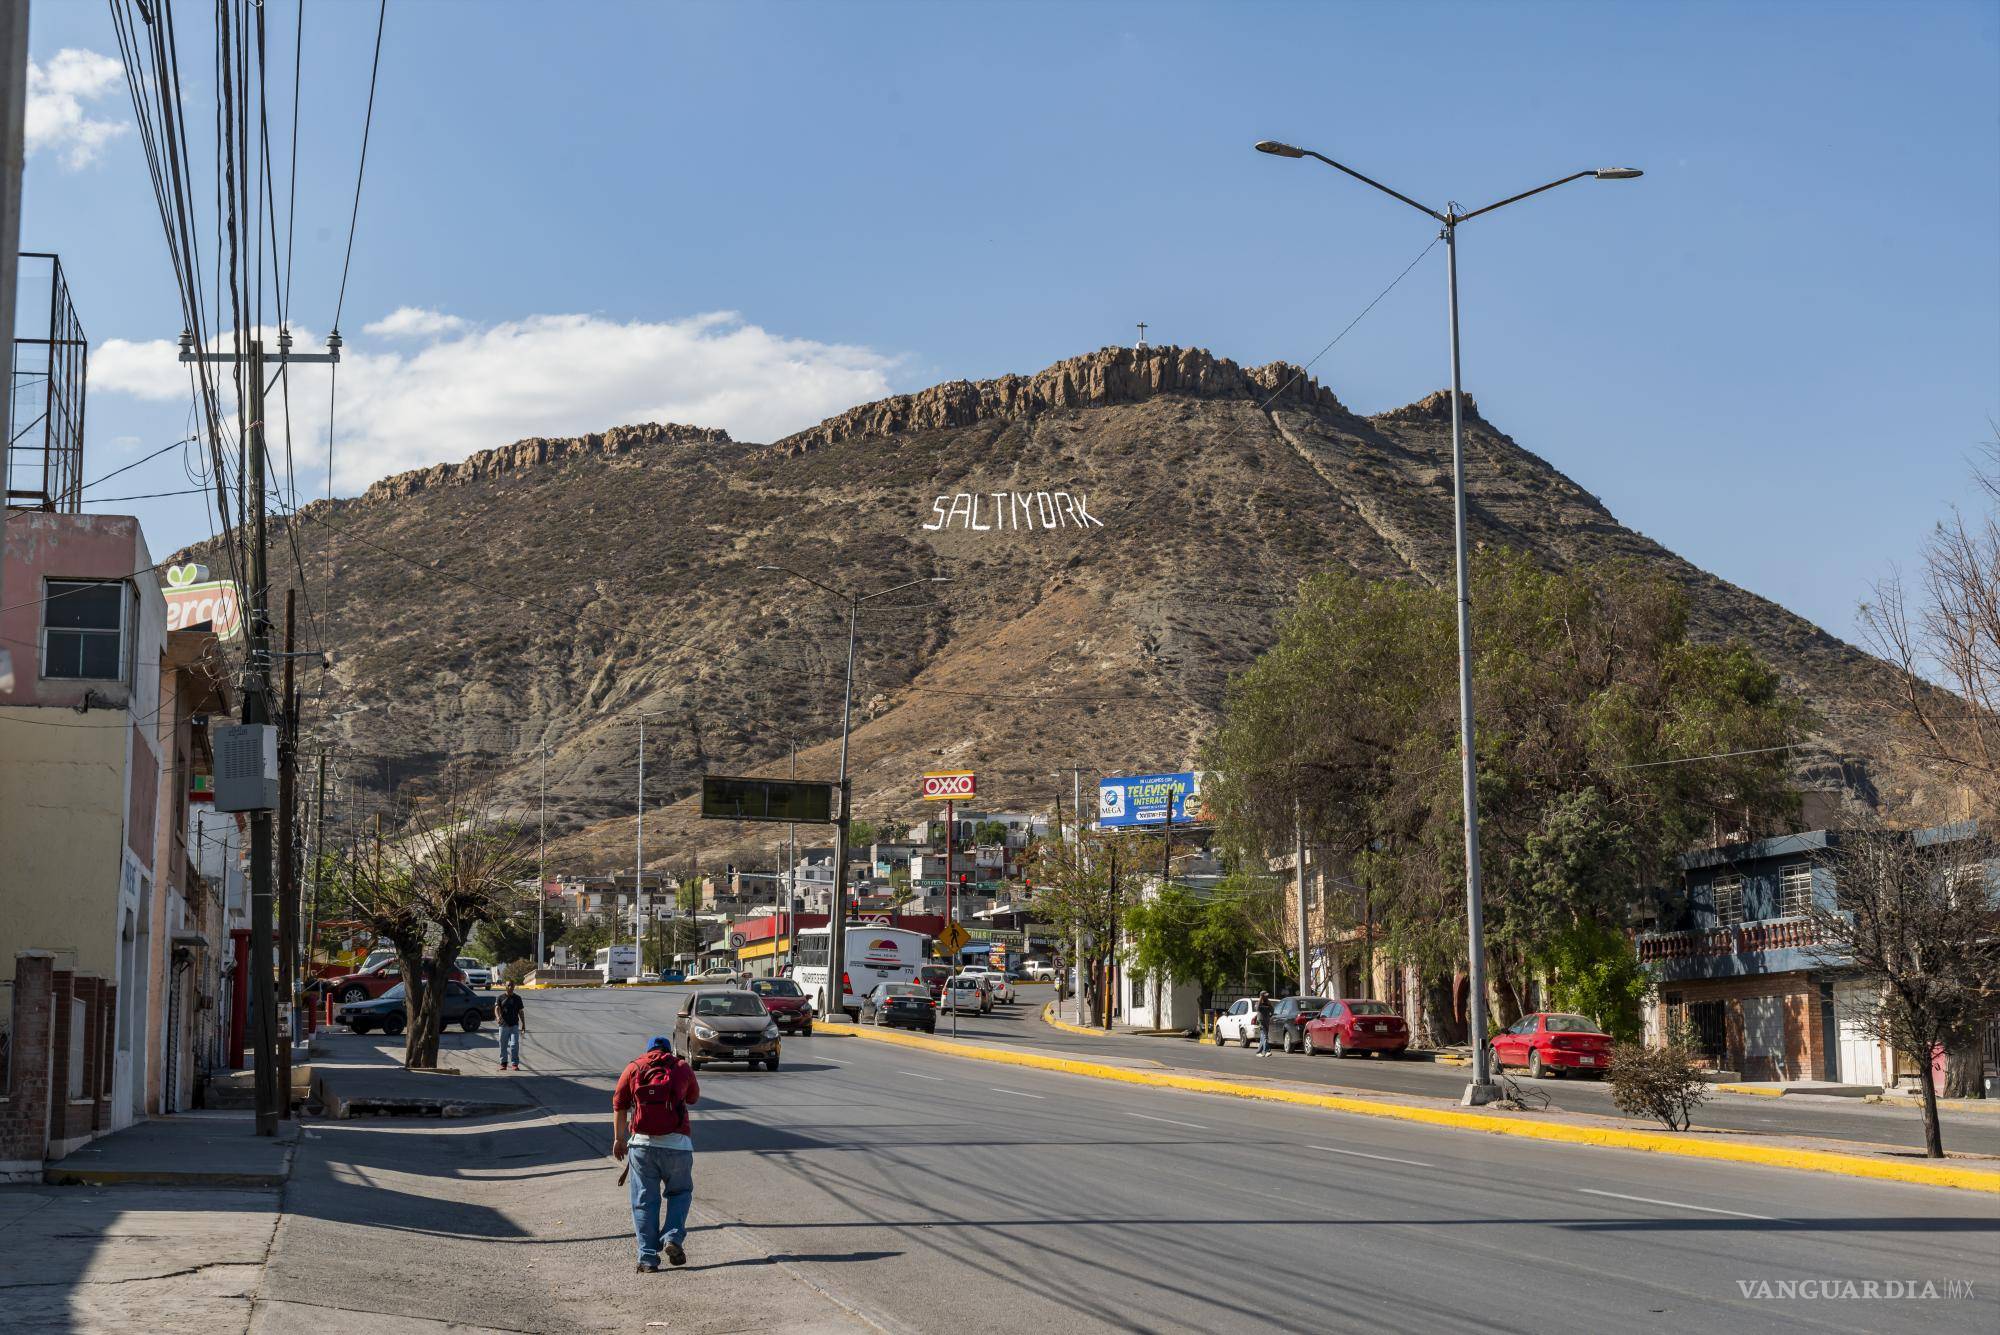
[776,987]
[1371,1008]
[728,1003]
[1572,1024]
[904,990]
[393,994]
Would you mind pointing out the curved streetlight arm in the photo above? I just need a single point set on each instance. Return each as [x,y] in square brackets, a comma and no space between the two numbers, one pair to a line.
[1512,199]
[787,570]
[1397,194]
[883,593]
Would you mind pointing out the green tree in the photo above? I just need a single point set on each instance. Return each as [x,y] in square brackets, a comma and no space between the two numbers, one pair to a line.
[1178,936]
[861,833]
[1608,741]
[990,832]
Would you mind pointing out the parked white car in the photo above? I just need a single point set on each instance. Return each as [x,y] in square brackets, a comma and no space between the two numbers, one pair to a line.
[996,982]
[714,977]
[1238,1024]
[1039,971]
[477,975]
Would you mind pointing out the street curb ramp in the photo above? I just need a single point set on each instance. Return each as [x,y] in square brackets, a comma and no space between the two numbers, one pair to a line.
[1651,1142]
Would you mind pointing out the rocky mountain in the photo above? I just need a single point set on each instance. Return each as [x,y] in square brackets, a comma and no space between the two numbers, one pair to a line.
[1119,531]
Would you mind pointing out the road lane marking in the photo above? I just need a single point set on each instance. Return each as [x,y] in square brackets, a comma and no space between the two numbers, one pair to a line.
[1016,1093]
[1674,1205]
[921,1076]
[1170,1120]
[1385,1158]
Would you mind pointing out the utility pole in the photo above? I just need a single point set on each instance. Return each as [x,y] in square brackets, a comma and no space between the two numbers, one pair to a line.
[638,859]
[791,863]
[1299,861]
[950,830]
[257,704]
[541,863]
[1111,936]
[288,881]
[318,863]
[13,156]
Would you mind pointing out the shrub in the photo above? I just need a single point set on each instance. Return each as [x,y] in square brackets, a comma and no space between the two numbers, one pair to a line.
[516,971]
[1660,1083]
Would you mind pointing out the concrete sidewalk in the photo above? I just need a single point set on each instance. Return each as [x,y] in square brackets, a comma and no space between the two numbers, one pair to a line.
[357,1076]
[198,1149]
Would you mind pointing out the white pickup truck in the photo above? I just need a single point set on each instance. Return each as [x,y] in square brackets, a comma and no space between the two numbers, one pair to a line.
[1039,971]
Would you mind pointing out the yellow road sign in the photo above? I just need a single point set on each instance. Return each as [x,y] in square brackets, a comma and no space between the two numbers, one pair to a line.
[952,938]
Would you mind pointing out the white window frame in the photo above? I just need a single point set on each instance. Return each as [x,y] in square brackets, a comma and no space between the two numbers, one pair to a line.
[1791,879]
[1733,885]
[123,631]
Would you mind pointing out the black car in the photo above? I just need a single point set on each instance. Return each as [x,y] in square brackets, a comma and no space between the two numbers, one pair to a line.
[900,1004]
[462,1007]
[1288,1021]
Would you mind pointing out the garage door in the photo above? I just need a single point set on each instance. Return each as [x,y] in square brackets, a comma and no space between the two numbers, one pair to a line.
[1764,1038]
[1862,1061]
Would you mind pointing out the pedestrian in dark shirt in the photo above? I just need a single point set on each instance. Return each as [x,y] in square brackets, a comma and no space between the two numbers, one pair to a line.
[1263,1009]
[512,1015]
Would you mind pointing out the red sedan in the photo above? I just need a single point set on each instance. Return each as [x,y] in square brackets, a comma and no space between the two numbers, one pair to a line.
[1550,1043]
[371,983]
[1342,1027]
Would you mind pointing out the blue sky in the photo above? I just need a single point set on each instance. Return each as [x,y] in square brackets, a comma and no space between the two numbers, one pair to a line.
[1776,353]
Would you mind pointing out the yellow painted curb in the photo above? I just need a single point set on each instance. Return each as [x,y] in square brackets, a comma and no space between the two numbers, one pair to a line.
[1049,1019]
[1752,1090]
[1653,1142]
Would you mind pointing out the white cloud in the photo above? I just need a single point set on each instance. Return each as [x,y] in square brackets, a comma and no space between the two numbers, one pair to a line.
[414,322]
[56,118]
[545,375]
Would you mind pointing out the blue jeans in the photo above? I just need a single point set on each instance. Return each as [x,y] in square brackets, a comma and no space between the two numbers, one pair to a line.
[657,1172]
[510,1045]
[1263,1037]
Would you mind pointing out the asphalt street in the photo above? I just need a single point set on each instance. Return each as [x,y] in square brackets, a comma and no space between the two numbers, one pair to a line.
[1975,1132]
[867,1184]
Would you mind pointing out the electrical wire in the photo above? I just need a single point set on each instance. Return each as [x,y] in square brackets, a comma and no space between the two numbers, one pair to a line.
[1299,374]
[367,125]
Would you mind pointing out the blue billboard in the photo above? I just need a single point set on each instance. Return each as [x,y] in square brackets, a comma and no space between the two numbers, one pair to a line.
[1144,799]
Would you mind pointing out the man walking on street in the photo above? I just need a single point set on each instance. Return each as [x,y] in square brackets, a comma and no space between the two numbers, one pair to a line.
[1263,1009]
[650,1132]
[511,1013]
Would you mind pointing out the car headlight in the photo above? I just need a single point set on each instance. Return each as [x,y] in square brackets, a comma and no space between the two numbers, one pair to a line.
[703,1031]
[771,1029]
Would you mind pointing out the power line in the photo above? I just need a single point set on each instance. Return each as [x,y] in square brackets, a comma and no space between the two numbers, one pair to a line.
[367,124]
[1351,323]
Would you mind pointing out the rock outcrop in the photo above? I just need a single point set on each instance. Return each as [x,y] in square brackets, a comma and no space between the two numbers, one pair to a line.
[537,451]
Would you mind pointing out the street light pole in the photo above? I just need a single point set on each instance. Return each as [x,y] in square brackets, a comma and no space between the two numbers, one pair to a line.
[541,864]
[836,918]
[1481,1089]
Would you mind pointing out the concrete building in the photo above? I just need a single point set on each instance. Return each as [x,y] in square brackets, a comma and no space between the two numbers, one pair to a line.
[81,768]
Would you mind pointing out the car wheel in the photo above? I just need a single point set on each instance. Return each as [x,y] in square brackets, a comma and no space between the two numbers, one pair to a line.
[695,1064]
[1220,1041]
[1246,1040]
[1287,1043]
[1537,1068]
[806,1032]
[470,1023]
[393,1028]
[354,994]
[1493,1060]
[1312,1049]
[360,1026]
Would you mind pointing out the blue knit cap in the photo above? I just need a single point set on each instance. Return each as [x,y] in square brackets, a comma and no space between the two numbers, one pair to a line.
[662,1042]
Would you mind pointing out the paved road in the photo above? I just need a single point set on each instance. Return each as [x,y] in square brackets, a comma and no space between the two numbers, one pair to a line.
[914,1191]
[1976,1132]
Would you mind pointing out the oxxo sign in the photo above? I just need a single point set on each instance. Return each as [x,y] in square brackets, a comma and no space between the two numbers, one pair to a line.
[950,785]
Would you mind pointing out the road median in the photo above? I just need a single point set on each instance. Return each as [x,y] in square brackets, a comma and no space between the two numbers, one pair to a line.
[1573,1132]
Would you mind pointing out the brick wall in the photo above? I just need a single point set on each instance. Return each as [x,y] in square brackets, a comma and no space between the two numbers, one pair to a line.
[90,1114]
[24,1103]
[1804,1040]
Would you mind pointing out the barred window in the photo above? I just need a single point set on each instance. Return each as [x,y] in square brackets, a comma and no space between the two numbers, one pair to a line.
[1728,901]
[1795,891]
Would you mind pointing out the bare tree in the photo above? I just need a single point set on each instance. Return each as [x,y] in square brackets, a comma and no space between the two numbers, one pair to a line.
[1916,920]
[1946,633]
[463,870]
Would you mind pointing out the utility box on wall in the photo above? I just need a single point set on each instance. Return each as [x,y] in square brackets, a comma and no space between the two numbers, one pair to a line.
[246,767]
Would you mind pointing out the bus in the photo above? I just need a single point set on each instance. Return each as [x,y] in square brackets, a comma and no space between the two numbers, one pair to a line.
[619,964]
[874,955]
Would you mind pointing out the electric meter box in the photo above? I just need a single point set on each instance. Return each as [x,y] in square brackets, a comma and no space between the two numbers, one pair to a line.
[246,767]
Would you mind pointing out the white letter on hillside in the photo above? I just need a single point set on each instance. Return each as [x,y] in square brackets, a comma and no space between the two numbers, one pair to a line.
[937,508]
